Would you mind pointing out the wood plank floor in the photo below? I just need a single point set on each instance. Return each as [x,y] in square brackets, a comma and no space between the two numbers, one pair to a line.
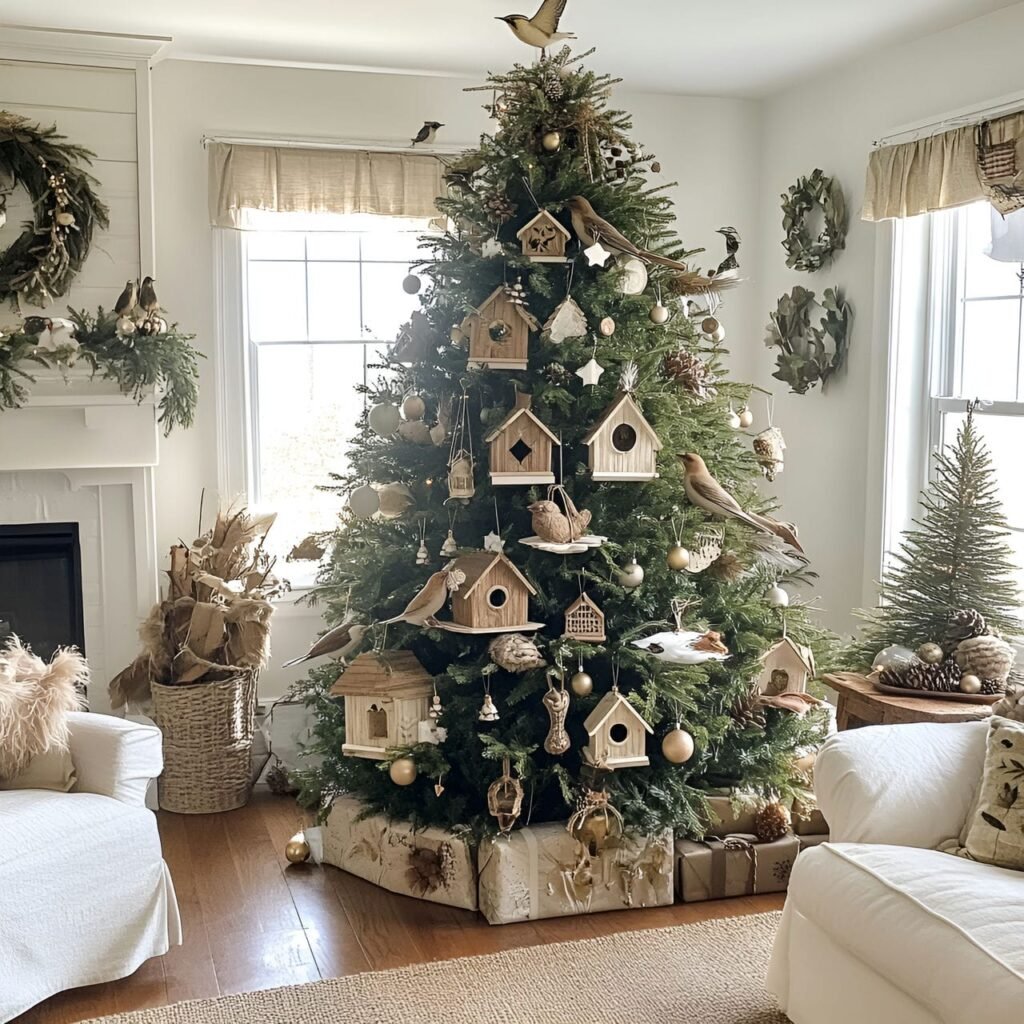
[253,921]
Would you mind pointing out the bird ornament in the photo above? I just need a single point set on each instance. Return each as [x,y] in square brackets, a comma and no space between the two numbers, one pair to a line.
[337,642]
[541,30]
[685,647]
[420,611]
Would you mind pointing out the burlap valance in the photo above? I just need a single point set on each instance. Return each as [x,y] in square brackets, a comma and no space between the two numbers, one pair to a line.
[960,166]
[286,179]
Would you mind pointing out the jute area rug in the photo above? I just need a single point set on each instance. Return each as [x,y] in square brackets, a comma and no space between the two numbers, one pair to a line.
[707,973]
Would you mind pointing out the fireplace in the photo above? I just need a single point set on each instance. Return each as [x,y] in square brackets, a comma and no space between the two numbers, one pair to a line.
[41,586]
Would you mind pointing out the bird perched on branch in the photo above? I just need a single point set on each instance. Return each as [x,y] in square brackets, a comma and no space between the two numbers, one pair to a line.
[542,29]
[707,493]
[427,133]
[337,642]
[685,647]
[431,598]
[147,296]
[128,299]
[550,523]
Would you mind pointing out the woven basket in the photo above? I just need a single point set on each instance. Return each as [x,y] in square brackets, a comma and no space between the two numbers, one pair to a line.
[207,734]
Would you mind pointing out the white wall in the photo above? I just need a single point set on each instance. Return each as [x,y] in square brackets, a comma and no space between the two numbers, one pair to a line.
[709,146]
[831,122]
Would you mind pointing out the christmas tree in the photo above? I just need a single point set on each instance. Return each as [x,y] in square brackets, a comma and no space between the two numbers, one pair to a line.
[499,377]
[954,557]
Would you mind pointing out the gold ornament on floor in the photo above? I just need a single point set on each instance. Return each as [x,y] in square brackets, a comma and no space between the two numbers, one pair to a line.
[773,822]
[677,745]
[403,771]
[930,653]
[505,798]
[296,850]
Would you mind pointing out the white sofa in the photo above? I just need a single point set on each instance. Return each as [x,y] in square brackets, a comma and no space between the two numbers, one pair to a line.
[85,895]
[880,926]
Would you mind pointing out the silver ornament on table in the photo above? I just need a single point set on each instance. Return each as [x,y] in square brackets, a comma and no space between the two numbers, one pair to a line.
[384,418]
[631,575]
[777,597]
[364,501]
[411,284]
[930,653]
[970,683]
[893,656]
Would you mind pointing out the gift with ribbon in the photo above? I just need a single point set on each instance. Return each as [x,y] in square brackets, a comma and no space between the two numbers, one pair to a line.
[733,865]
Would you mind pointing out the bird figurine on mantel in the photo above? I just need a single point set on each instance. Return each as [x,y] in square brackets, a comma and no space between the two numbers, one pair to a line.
[707,493]
[542,29]
[337,642]
[685,647]
[128,299]
[427,133]
[147,296]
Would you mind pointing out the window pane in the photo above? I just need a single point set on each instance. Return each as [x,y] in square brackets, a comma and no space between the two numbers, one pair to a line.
[334,302]
[985,276]
[990,345]
[275,245]
[332,245]
[400,246]
[277,301]
[385,305]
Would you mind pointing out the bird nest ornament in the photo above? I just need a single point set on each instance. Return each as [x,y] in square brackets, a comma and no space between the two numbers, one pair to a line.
[559,526]
[505,798]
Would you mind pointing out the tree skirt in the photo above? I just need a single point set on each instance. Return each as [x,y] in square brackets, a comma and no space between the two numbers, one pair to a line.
[713,970]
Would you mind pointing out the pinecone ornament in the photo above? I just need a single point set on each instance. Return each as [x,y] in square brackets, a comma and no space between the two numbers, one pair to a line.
[1012,704]
[499,207]
[552,86]
[963,624]
[692,373]
[279,781]
[515,653]
[773,822]
[748,712]
[986,657]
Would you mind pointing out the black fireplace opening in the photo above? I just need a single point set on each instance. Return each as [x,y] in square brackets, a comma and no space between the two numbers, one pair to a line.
[41,586]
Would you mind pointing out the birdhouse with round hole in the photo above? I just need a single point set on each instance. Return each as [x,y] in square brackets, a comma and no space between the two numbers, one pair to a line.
[387,694]
[521,447]
[543,239]
[499,331]
[617,734]
[786,667]
[622,445]
[584,621]
[493,598]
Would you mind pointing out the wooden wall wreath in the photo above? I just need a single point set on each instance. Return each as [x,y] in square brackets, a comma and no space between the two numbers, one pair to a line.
[818,190]
[41,263]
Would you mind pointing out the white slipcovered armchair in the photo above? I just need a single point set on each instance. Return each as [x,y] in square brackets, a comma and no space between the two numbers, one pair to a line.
[878,924]
[85,895]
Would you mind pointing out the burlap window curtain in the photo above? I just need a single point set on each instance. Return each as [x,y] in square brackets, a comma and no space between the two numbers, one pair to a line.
[289,179]
[964,165]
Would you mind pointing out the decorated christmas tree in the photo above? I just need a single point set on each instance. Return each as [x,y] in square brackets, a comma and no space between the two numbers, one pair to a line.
[529,605]
[954,558]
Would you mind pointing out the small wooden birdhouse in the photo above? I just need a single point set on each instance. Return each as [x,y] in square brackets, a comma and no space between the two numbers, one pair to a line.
[521,447]
[622,444]
[460,476]
[617,734]
[499,332]
[386,696]
[493,598]
[786,667]
[584,621]
[544,239]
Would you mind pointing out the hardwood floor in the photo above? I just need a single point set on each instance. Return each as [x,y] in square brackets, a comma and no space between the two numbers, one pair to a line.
[253,921]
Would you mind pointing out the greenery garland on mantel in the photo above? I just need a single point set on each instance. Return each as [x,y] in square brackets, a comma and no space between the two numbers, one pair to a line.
[41,262]
[138,361]
[797,205]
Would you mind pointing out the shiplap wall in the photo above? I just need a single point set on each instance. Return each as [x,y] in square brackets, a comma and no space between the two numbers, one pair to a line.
[96,108]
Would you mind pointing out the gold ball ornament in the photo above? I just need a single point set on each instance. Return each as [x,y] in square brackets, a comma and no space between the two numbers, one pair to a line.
[930,653]
[970,684]
[411,284]
[296,850]
[582,685]
[658,314]
[631,575]
[677,746]
[403,771]
[414,408]
[551,141]
[364,501]
[607,327]
[383,419]
[773,822]
[678,558]
[457,335]
[746,417]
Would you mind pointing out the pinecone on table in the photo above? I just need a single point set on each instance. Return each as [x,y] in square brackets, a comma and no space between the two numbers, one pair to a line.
[691,372]
[963,624]
[941,678]
[499,206]
[773,822]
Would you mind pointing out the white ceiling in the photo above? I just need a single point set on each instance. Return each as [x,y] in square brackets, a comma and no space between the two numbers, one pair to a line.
[731,48]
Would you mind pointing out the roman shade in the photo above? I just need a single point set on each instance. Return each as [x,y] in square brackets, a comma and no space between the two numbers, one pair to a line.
[290,179]
[963,165]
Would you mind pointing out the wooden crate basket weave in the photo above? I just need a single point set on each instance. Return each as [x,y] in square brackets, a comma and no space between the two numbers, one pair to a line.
[207,737]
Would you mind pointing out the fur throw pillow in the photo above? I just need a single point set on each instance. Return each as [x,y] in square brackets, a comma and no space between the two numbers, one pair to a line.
[34,701]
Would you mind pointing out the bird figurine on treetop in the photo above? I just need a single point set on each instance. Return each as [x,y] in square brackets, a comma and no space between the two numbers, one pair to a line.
[542,29]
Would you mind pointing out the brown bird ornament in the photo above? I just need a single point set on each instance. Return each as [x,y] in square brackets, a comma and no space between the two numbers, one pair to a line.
[147,296]
[337,642]
[550,523]
[707,493]
[128,299]
[431,598]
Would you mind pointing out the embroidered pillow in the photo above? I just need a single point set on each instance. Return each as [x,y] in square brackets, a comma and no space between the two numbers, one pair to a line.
[995,833]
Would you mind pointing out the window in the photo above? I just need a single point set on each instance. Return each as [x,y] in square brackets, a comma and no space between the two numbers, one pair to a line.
[320,302]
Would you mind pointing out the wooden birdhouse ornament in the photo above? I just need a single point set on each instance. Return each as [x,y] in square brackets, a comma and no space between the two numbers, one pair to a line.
[387,695]
[584,621]
[493,598]
[521,447]
[460,455]
[618,734]
[786,667]
[543,239]
[622,444]
[499,331]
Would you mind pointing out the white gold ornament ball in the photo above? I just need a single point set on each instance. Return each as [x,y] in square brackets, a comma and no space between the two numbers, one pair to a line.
[403,771]
[777,597]
[746,417]
[677,746]
[733,419]
[711,327]
[632,275]
[893,656]
[364,501]
[414,408]
[125,327]
[631,575]
[296,850]
[384,419]
[930,653]
[658,314]
[678,558]
[411,284]
[551,141]
[581,683]
[970,683]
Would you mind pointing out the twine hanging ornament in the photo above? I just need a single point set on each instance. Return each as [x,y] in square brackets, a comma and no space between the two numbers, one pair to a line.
[678,558]
[460,455]
[556,701]
[770,446]
[505,798]
[581,683]
[422,554]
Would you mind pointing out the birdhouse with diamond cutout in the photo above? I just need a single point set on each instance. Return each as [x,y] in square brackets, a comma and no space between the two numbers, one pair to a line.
[387,694]
[584,621]
[786,667]
[521,447]
[499,331]
[618,734]
[622,445]
[543,239]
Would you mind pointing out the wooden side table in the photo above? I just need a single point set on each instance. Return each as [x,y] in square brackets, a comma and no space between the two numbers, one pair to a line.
[861,704]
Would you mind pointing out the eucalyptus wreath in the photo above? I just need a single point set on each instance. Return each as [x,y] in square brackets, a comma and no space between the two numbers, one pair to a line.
[161,358]
[809,355]
[40,263]
[798,202]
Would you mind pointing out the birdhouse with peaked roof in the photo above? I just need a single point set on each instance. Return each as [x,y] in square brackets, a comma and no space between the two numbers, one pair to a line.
[618,734]
[499,331]
[493,598]
[622,445]
[584,621]
[544,239]
[387,694]
[786,667]
[521,447]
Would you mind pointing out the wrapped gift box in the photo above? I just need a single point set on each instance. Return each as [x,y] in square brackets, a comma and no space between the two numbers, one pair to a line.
[430,864]
[734,866]
[729,816]
[542,871]
[808,820]
[806,842]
